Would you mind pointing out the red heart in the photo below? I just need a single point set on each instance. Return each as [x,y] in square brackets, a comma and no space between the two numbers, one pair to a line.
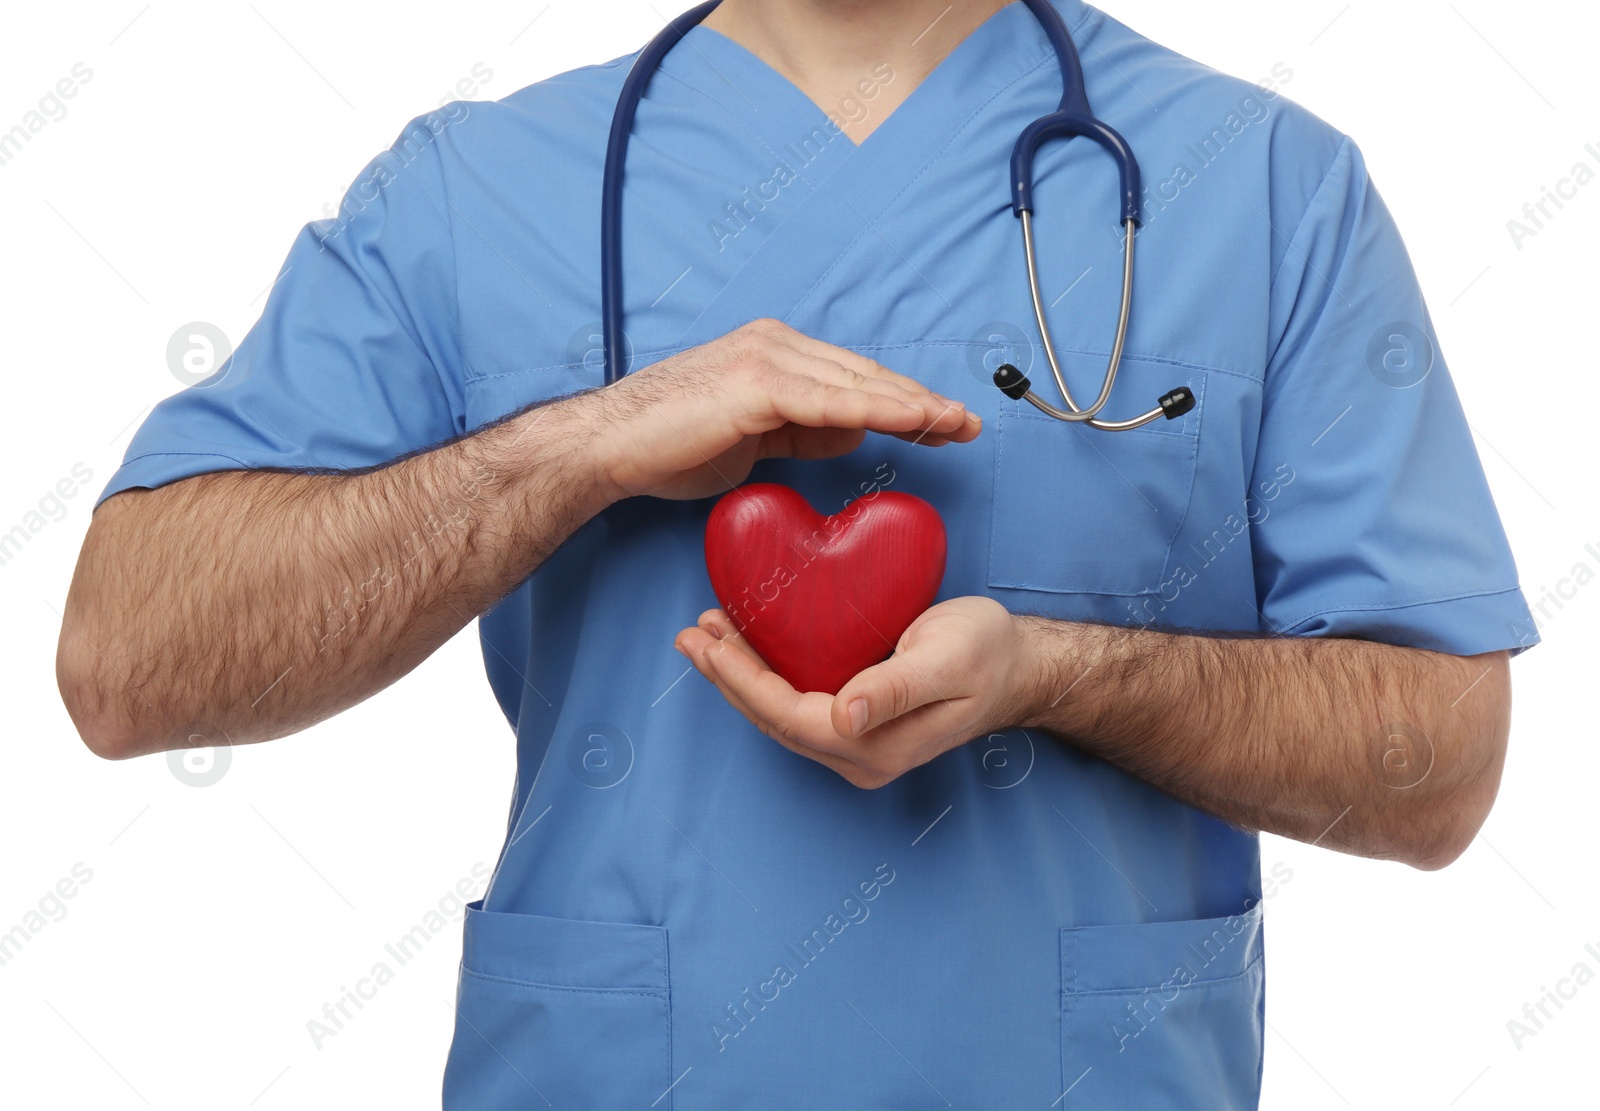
[822,598]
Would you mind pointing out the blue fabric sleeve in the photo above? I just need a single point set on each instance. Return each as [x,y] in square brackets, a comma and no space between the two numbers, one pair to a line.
[1387,531]
[355,360]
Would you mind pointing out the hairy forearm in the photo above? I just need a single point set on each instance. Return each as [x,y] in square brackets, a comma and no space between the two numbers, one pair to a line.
[1369,748]
[254,604]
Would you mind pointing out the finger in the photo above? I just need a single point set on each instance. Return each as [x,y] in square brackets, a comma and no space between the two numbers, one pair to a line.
[914,737]
[798,716]
[944,414]
[792,441]
[792,352]
[702,648]
[925,439]
[872,370]
[718,624]
[909,679]
[861,364]
[813,401]
[716,619]
[698,646]
[825,366]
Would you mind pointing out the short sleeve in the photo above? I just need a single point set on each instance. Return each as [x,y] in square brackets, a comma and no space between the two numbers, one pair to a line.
[1381,524]
[355,359]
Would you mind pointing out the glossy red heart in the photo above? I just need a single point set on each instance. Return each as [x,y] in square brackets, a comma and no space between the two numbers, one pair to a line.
[822,598]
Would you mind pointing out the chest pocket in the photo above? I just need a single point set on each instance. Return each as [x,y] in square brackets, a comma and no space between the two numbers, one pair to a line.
[1081,511]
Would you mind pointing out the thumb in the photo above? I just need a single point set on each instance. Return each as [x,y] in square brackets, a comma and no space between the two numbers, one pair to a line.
[886,691]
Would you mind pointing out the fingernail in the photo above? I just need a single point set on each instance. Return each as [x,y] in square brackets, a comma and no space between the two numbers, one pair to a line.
[713,631]
[858,716]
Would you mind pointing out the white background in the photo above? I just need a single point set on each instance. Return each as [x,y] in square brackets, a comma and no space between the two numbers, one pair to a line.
[219,920]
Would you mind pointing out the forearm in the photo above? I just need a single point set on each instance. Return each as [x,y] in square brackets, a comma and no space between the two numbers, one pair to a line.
[260,603]
[1376,750]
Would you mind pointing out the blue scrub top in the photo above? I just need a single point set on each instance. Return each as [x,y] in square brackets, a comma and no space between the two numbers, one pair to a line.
[684,913]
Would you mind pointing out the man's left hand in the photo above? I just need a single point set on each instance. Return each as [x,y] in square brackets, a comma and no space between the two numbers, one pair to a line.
[962,670]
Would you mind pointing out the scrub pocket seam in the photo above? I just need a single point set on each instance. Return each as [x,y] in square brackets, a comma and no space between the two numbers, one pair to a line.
[551,368]
[1211,1021]
[547,991]
[561,987]
[1215,981]
[1071,991]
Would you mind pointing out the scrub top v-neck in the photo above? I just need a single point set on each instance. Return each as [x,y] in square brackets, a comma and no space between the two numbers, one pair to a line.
[685,914]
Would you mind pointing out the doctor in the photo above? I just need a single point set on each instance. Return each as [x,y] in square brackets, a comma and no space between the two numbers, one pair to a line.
[1016,864]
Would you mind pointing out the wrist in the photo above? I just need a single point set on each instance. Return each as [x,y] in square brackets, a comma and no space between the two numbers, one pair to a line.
[536,480]
[1054,669]
[1035,673]
[585,440]
[556,457]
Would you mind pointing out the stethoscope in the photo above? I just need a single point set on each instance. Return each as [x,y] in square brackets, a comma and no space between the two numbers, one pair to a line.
[1073,117]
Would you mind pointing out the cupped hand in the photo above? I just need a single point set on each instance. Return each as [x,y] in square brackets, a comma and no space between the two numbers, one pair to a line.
[963,669]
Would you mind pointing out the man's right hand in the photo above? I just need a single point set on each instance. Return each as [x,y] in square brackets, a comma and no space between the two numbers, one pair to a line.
[250,604]
[694,424]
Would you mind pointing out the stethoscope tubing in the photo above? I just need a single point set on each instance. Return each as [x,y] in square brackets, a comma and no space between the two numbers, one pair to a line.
[1074,117]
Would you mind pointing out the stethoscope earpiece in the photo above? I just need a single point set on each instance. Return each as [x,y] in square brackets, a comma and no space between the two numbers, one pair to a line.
[1012,382]
[1178,402]
[1015,385]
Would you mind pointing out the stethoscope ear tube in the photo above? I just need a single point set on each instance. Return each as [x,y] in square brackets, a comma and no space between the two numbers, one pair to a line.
[644,66]
[1015,385]
[1066,125]
[1073,411]
[1073,117]
[1171,405]
[1069,125]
